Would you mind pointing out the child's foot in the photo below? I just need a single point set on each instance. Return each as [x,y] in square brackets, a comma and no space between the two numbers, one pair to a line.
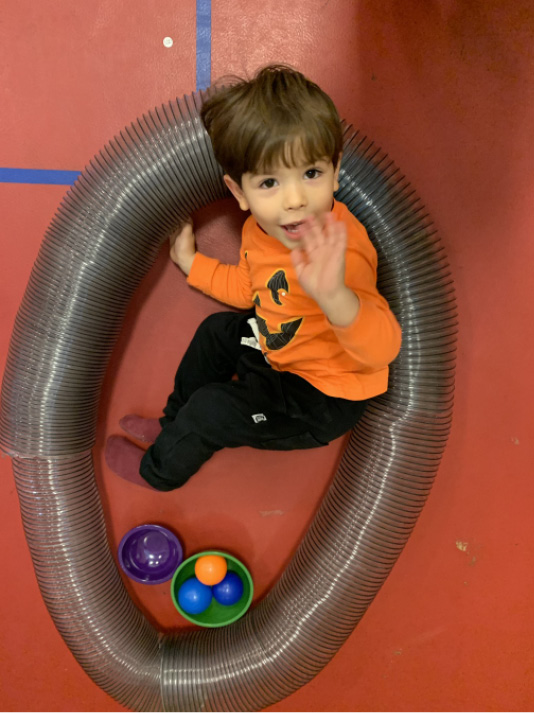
[144,429]
[124,458]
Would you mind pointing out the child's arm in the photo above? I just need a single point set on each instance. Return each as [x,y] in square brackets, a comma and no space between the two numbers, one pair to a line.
[227,283]
[343,283]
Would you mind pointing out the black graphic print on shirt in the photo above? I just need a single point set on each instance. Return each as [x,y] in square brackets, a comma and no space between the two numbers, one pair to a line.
[276,283]
[278,340]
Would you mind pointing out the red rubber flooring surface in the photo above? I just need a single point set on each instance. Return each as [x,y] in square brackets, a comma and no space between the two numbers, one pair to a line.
[446,89]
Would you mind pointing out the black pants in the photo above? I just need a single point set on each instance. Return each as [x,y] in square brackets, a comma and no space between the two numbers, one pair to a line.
[263,408]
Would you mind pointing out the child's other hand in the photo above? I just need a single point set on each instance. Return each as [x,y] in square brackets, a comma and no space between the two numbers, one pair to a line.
[183,247]
[320,267]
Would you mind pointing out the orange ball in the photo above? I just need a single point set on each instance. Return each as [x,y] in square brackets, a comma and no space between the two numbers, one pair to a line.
[210,569]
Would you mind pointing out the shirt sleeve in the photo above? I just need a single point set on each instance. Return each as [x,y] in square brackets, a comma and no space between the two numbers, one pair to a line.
[373,339]
[230,284]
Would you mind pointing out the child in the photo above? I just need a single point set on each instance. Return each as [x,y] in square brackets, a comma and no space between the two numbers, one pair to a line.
[318,337]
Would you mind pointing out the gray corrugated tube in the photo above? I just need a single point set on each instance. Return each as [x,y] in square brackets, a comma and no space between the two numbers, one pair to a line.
[104,238]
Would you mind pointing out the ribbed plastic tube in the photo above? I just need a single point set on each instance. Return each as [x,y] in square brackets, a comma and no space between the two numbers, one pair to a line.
[102,241]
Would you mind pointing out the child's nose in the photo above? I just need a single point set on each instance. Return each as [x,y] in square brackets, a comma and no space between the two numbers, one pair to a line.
[294,197]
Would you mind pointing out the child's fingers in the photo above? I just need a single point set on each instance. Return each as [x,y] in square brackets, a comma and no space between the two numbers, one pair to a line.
[336,233]
[182,242]
[186,226]
[298,258]
[331,233]
[307,237]
[313,235]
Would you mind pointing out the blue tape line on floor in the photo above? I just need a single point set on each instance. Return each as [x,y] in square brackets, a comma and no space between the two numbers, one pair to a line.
[203,44]
[31,175]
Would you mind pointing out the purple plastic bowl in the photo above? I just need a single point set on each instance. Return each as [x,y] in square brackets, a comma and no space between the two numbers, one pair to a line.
[150,554]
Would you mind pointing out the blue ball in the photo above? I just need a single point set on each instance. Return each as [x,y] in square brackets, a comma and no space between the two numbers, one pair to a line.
[229,590]
[194,597]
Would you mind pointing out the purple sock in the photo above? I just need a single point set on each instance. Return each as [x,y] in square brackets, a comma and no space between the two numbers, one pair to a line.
[124,458]
[144,429]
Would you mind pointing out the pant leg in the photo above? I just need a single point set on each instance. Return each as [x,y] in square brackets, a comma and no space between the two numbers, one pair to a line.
[328,417]
[211,357]
[263,409]
[218,416]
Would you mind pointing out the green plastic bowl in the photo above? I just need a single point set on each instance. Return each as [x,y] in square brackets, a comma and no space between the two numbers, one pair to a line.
[216,614]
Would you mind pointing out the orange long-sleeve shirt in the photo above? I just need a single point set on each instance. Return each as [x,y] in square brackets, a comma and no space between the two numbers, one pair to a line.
[295,335]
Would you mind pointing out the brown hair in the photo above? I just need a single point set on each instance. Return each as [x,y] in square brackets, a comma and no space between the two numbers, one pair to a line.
[253,124]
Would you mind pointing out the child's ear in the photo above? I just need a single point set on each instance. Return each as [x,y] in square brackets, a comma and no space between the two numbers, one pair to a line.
[236,191]
[336,173]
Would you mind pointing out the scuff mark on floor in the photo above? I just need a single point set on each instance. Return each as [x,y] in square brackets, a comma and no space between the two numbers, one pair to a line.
[268,513]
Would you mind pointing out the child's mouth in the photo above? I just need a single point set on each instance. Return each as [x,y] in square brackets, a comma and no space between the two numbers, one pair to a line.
[293,230]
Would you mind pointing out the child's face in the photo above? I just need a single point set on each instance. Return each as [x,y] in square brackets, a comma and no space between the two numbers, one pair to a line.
[281,200]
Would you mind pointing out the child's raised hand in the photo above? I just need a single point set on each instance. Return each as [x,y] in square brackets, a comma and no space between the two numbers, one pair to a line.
[183,247]
[320,261]
[320,267]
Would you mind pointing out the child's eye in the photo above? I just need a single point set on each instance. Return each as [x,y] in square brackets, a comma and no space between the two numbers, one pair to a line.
[268,183]
[313,173]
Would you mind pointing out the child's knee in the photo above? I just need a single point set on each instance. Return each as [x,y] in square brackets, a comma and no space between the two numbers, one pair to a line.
[206,412]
